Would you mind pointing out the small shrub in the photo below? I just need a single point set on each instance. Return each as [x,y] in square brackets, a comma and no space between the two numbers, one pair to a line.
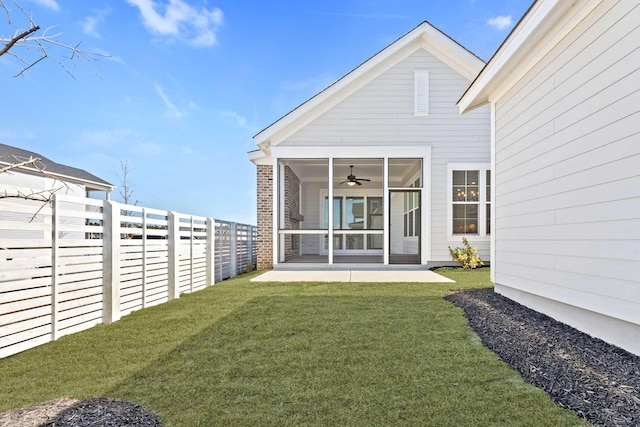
[467,257]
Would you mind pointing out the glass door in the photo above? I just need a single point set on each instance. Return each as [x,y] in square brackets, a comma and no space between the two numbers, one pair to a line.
[353,218]
[404,226]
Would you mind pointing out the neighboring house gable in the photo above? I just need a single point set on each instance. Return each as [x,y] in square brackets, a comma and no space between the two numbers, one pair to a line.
[400,104]
[37,181]
[12,155]
[565,91]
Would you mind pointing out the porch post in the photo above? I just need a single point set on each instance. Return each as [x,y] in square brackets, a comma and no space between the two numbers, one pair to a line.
[330,219]
[275,213]
[386,212]
[282,192]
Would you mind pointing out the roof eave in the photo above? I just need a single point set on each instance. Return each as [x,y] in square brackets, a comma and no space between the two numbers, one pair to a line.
[532,27]
[424,34]
[93,184]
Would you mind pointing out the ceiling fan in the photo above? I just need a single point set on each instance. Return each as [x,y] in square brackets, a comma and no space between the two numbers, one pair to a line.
[352,180]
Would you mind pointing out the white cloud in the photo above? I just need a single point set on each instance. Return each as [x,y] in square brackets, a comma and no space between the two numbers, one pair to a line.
[180,20]
[235,118]
[172,110]
[500,22]
[90,23]
[12,134]
[51,4]
[106,137]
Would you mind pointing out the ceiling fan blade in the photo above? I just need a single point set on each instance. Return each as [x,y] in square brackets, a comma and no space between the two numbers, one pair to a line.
[343,182]
[363,179]
[357,181]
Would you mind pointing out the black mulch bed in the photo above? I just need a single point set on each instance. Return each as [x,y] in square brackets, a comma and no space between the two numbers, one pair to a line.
[598,381]
[102,412]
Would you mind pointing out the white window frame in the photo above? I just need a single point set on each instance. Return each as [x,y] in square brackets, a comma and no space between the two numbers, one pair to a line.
[344,194]
[412,232]
[420,93]
[482,168]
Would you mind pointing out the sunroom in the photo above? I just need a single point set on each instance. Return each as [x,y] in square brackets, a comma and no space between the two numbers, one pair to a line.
[375,216]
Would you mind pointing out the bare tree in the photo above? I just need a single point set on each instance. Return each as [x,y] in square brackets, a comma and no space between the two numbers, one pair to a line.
[29,47]
[126,186]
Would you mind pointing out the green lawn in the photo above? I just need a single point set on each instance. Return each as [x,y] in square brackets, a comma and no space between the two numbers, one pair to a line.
[241,353]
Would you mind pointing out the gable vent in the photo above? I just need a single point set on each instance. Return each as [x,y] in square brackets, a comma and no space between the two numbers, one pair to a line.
[421,93]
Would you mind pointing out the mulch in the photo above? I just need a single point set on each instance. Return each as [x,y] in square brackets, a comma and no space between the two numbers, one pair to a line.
[599,381]
[97,412]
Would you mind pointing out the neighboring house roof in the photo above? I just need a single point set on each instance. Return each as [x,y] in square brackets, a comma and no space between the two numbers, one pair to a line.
[424,36]
[10,155]
[527,43]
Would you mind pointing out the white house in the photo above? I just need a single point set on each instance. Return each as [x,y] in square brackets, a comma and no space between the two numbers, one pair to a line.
[564,93]
[406,173]
[22,180]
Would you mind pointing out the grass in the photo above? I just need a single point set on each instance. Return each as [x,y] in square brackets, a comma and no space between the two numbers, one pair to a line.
[241,353]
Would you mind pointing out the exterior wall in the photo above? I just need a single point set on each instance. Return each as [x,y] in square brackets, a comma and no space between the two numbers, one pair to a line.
[311,244]
[14,183]
[567,205]
[291,207]
[382,113]
[265,216]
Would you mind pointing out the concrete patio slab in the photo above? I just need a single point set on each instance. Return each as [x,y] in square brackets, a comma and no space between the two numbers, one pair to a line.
[405,276]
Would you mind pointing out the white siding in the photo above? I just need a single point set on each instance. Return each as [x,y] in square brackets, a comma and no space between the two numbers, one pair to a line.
[12,208]
[382,113]
[311,244]
[568,176]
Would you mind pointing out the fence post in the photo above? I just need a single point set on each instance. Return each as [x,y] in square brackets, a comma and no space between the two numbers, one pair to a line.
[254,244]
[211,251]
[55,255]
[249,247]
[111,262]
[174,263]
[191,263]
[233,250]
[144,258]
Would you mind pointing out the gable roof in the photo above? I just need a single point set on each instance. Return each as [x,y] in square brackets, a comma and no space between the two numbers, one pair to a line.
[523,44]
[10,155]
[424,36]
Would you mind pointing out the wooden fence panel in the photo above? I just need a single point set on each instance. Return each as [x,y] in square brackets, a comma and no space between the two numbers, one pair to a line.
[63,267]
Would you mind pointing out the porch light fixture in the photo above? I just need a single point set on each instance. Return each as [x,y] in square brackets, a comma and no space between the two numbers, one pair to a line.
[351,183]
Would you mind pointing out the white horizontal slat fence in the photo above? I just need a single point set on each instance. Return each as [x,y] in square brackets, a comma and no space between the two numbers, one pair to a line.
[78,262]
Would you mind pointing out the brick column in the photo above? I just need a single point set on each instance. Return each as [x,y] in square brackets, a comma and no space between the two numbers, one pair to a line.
[265,216]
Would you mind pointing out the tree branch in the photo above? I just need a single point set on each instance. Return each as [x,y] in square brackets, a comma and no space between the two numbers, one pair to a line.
[36,45]
[30,160]
[45,196]
[12,42]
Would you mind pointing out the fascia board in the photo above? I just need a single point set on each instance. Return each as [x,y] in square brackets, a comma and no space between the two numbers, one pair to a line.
[345,90]
[335,88]
[452,54]
[258,157]
[527,33]
[423,36]
[61,177]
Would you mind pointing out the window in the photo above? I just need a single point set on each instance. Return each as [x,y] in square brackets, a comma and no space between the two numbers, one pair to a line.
[470,199]
[412,211]
[421,93]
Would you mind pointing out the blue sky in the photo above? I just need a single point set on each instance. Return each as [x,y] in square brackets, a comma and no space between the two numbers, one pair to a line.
[187,83]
